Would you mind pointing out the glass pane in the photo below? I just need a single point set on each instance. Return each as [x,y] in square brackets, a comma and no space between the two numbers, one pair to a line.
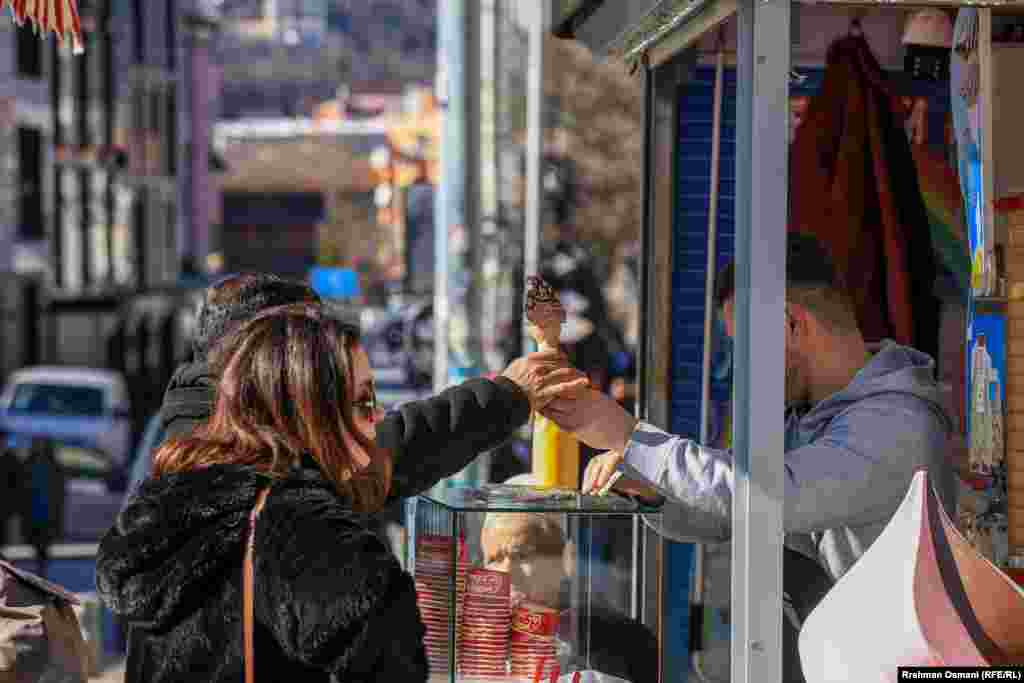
[510,498]
[519,593]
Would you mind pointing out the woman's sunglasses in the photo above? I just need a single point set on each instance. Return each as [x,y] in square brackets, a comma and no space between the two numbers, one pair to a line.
[368,405]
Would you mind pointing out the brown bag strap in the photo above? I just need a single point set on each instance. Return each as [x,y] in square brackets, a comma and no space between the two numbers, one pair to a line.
[248,600]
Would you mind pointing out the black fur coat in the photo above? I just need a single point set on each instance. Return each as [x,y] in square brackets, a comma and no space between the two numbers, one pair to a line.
[331,599]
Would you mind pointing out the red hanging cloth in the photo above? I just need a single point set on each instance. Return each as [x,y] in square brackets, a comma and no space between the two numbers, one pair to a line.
[56,16]
[854,186]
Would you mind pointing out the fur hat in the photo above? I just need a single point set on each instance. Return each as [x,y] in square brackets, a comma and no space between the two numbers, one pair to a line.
[237,298]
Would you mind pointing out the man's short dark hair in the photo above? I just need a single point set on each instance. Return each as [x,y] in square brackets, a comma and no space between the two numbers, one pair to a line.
[811,282]
[237,298]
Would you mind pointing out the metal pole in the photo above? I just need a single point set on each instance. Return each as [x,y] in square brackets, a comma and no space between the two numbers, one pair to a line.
[202,194]
[491,269]
[762,119]
[9,214]
[534,146]
[447,35]
[709,316]
[709,275]
[58,88]
[185,47]
[457,297]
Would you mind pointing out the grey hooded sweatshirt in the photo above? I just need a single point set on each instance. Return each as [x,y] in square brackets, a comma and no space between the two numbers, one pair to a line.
[849,462]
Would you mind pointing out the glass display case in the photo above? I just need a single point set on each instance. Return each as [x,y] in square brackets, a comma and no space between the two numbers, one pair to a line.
[519,583]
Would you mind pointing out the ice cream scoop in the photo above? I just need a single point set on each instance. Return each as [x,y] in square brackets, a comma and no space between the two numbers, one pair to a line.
[544,313]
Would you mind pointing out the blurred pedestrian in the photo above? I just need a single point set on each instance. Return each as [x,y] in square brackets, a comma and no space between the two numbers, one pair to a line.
[12,483]
[43,516]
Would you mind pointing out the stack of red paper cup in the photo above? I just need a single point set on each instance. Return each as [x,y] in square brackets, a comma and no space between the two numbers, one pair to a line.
[433,593]
[532,641]
[486,619]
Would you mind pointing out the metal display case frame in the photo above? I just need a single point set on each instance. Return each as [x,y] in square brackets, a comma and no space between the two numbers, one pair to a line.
[448,512]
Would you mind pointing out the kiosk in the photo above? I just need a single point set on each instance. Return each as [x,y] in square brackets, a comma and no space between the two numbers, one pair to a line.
[718,79]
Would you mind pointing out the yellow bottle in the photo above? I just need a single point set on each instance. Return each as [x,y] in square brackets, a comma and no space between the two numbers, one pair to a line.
[555,455]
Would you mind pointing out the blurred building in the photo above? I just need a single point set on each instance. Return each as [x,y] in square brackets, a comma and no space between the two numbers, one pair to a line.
[281,57]
[106,163]
[293,21]
[299,193]
[24,120]
[351,186]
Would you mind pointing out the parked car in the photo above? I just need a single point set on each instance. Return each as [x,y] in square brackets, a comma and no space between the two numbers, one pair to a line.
[85,406]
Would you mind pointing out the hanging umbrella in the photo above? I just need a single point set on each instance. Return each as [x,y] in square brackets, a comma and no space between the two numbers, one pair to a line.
[57,16]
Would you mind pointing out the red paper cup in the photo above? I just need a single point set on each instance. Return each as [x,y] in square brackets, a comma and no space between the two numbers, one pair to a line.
[535,620]
[488,603]
[480,657]
[491,638]
[472,617]
[479,651]
[530,649]
[484,672]
[485,583]
[471,612]
[495,637]
[434,540]
[485,631]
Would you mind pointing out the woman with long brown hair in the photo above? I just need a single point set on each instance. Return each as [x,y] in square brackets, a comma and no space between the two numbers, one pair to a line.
[295,415]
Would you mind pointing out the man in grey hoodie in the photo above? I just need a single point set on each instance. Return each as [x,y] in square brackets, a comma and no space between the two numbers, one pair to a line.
[858,425]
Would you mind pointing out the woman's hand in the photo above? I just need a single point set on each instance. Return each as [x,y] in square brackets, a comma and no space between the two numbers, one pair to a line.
[546,376]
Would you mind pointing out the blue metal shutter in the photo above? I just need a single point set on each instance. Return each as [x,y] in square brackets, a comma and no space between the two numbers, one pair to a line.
[693,175]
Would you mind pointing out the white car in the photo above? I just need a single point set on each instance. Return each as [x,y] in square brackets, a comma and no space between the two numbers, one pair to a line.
[87,406]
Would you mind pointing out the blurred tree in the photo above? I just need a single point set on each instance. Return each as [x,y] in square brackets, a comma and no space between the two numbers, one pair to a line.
[599,114]
[595,121]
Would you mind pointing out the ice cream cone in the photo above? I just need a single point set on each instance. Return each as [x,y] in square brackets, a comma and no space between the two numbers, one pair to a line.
[544,314]
[555,453]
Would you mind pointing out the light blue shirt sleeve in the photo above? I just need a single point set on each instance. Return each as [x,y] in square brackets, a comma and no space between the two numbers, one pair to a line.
[696,482]
[856,472]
